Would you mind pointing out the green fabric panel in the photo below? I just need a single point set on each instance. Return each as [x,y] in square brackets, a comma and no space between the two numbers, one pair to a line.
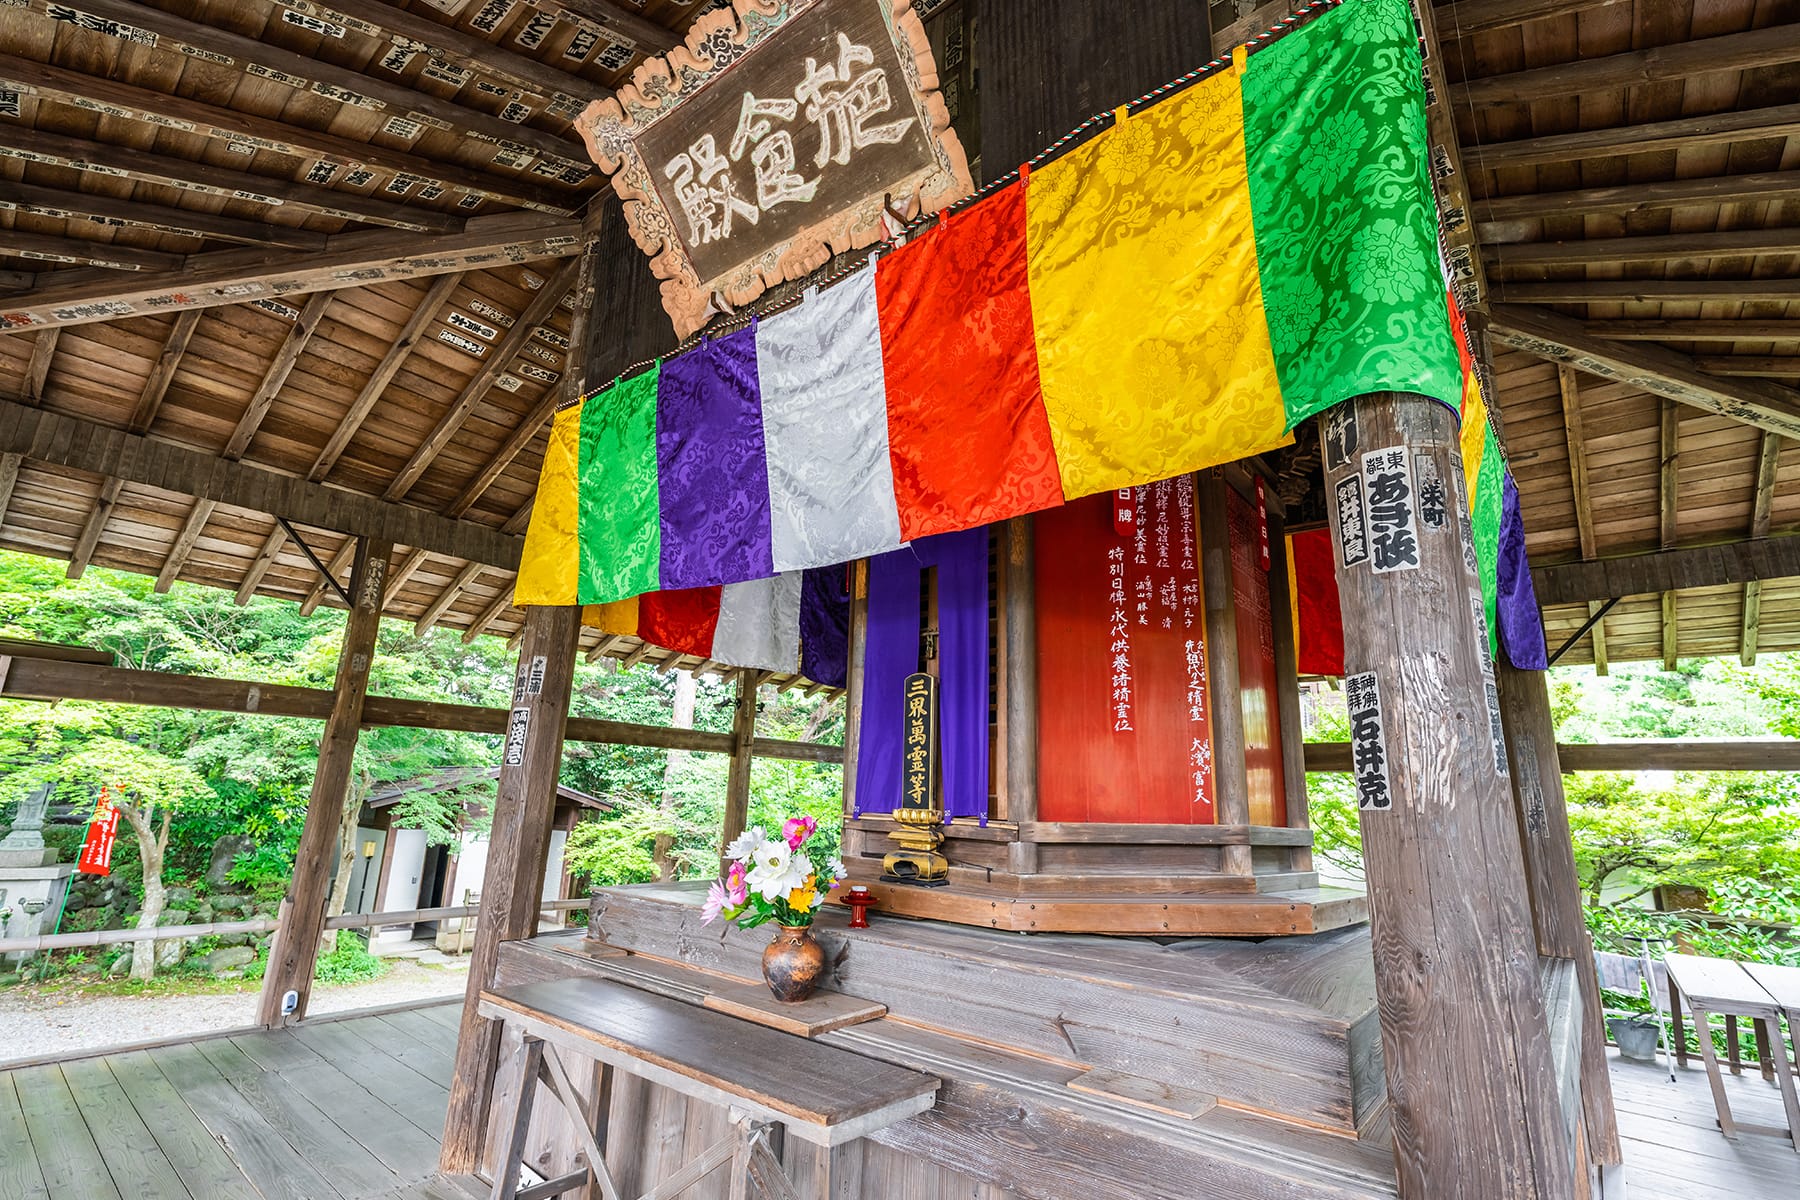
[1486,505]
[621,514]
[1346,222]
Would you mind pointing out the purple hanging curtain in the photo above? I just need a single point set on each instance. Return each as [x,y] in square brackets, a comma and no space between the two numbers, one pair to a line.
[892,653]
[1521,629]
[825,625]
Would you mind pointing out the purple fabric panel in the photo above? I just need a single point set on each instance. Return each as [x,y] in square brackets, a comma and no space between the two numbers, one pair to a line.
[825,625]
[891,653]
[711,466]
[1521,628]
[962,564]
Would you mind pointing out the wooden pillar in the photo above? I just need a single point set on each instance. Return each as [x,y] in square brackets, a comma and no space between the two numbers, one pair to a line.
[1543,819]
[1463,1030]
[853,679]
[518,849]
[737,781]
[1230,780]
[296,946]
[1287,689]
[1020,632]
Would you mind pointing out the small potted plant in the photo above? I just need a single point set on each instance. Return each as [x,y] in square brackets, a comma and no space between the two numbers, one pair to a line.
[778,879]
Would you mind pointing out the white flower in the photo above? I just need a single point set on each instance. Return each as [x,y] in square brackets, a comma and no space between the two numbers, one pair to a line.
[774,872]
[746,844]
[836,869]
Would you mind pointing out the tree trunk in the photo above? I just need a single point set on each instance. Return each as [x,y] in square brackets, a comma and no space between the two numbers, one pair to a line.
[150,855]
[346,860]
[687,686]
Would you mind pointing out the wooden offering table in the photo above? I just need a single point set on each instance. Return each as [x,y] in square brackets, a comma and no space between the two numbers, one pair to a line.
[1716,985]
[769,1082]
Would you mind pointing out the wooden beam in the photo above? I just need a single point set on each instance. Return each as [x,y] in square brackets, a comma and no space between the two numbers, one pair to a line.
[1542,813]
[1680,133]
[247,129]
[1668,481]
[447,597]
[1630,199]
[1456,968]
[296,945]
[163,373]
[94,526]
[43,350]
[322,588]
[85,207]
[1287,688]
[398,577]
[1773,46]
[502,354]
[1468,274]
[491,613]
[614,18]
[604,646]
[1775,289]
[427,311]
[1694,331]
[259,566]
[111,256]
[1749,366]
[10,463]
[1732,243]
[67,441]
[1762,508]
[1667,570]
[1465,18]
[737,779]
[518,846]
[1658,371]
[366,257]
[1576,440]
[473,53]
[142,166]
[1019,629]
[334,82]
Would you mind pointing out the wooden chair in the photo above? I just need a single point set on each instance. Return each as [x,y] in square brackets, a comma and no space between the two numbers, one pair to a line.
[767,1079]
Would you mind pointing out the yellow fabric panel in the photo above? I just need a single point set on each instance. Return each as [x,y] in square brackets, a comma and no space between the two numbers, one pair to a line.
[1151,339]
[1293,589]
[619,616]
[552,555]
[1474,434]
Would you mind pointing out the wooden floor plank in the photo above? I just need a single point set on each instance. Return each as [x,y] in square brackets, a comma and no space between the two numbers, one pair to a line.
[71,1162]
[1672,1143]
[318,1136]
[19,1172]
[401,1146]
[191,1148]
[447,1015]
[277,1169]
[138,1166]
[435,1063]
[412,1094]
[437,1043]
[274,1050]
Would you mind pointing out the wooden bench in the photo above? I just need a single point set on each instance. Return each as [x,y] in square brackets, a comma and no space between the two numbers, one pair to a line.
[1716,985]
[1783,984]
[766,1078]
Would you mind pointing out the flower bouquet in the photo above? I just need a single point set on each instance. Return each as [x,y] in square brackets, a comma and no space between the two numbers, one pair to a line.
[777,879]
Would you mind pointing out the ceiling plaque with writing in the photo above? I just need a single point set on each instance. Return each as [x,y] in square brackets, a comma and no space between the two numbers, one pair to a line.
[768,141]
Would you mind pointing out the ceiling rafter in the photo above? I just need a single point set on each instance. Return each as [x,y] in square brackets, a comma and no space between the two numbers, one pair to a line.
[1651,248]
[107,211]
[1569,388]
[1667,491]
[1762,509]
[49,247]
[438,607]
[488,615]
[615,18]
[1647,291]
[1646,196]
[1772,46]
[247,129]
[339,561]
[1679,133]
[37,370]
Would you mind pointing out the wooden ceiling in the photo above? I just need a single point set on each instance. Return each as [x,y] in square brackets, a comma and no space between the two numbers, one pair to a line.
[332,245]
[327,252]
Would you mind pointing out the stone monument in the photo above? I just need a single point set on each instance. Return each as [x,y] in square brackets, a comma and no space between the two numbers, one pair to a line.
[34,884]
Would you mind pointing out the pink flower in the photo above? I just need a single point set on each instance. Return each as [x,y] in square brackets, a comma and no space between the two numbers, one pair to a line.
[736,889]
[797,829]
[715,903]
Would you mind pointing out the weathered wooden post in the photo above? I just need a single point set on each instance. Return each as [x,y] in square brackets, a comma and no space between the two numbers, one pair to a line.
[737,779]
[1021,747]
[1542,814]
[1463,1027]
[518,847]
[296,945]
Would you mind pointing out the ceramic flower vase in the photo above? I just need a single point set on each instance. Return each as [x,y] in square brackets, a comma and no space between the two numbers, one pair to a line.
[793,963]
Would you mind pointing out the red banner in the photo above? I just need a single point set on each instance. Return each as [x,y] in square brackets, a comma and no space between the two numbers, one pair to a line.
[103,830]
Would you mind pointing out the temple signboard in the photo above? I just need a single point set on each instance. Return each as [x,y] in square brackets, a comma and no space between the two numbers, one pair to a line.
[777,136]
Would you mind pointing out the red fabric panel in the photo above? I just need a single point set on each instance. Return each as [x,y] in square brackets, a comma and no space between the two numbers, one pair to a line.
[682,619]
[1145,651]
[1319,621]
[967,431]
[1257,688]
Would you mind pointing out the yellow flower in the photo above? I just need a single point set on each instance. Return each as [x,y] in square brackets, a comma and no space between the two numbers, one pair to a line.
[806,896]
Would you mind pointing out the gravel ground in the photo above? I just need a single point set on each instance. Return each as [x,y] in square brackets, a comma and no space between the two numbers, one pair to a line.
[63,1019]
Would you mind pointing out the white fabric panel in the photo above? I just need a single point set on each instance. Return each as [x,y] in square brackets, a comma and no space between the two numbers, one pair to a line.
[759,624]
[824,408]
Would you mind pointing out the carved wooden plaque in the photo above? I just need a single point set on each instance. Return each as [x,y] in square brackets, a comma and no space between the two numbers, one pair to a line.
[768,142]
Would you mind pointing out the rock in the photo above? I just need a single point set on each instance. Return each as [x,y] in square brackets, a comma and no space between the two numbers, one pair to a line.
[224,853]
[179,897]
[203,913]
[227,958]
[8,979]
[89,967]
[234,939]
[114,919]
[170,952]
[75,902]
[175,916]
[121,965]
